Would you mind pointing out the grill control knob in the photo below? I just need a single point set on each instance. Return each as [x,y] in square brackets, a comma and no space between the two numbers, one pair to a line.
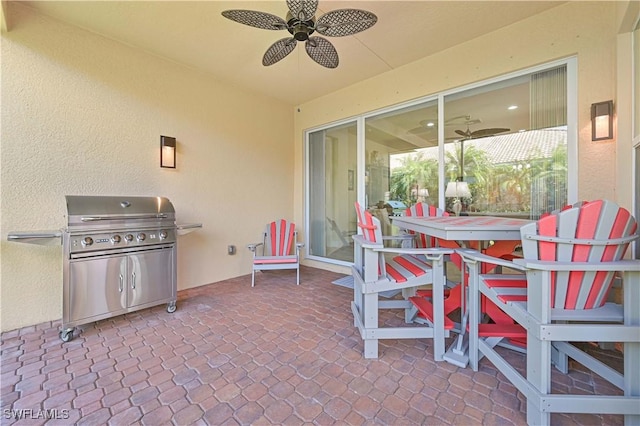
[128,238]
[141,236]
[163,234]
[115,239]
[87,241]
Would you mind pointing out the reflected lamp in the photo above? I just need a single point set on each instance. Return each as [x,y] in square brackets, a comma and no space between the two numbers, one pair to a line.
[457,190]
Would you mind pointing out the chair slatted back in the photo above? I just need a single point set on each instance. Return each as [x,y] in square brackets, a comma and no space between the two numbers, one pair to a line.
[369,225]
[597,231]
[563,208]
[421,210]
[372,232]
[278,238]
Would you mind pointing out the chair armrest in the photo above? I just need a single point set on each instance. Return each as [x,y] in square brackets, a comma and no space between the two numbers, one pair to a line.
[430,253]
[617,266]
[359,240]
[473,256]
[299,245]
[253,247]
[398,237]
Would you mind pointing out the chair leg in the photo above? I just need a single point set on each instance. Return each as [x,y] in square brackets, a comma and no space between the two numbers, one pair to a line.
[538,376]
[370,311]
[253,277]
[298,275]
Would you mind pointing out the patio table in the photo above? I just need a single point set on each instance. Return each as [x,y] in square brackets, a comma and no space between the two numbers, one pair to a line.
[462,229]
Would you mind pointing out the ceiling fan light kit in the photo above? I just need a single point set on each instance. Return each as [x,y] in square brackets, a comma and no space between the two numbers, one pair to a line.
[301,23]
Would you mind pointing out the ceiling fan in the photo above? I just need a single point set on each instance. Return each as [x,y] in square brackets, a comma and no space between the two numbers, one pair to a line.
[301,23]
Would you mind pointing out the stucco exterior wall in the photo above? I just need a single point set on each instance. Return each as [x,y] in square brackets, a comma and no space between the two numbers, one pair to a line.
[586,30]
[82,114]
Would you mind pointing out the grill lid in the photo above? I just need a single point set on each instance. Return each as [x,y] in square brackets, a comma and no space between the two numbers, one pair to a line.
[90,210]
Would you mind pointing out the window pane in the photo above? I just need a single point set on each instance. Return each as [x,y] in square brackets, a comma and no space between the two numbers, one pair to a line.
[506,148]
[332,192]
[395,175]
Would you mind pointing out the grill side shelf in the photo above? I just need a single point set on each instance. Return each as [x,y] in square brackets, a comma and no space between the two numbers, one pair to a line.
[187,228]
[43,238]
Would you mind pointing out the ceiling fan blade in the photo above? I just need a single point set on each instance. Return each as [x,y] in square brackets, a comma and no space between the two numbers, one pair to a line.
[253,18]
[461,133]
[322,51]
[304,10]
[344,22]
[487,132]
[278,51]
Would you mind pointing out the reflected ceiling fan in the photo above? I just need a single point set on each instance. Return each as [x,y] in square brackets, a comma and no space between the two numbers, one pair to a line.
[431,124]
[301,23]
[482,133]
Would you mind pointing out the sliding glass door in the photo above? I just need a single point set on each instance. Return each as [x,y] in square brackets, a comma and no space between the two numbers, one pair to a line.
[504,147]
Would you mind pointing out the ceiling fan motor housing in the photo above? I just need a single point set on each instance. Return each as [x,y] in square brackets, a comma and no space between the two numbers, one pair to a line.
[301,30]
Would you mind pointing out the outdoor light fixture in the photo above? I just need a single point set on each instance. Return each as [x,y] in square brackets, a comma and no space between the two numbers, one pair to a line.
[167,152]
[602,121]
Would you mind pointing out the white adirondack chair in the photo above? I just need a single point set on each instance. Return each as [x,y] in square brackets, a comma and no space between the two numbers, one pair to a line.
[277,249]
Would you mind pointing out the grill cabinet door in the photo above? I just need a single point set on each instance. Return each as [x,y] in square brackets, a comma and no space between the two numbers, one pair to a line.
[151,277]
[97,287]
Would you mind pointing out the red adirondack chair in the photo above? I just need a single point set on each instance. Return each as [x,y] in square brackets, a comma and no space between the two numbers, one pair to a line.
[571,259]
[377,269]
[278,248]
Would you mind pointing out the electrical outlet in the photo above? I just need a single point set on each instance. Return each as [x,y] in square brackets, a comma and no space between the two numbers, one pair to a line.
[231,249]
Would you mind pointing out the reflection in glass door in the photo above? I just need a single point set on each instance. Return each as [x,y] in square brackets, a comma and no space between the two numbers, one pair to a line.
[332,192]
[506,149]
[396,175]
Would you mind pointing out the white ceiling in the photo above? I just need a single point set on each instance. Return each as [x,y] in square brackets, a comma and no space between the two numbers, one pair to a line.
[195,34]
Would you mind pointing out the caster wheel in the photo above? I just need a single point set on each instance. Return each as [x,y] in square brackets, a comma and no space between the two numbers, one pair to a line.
[171,307]
[66,335]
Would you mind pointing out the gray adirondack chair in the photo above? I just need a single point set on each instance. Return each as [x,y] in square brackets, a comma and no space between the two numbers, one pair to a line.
[571,260]
[378,268]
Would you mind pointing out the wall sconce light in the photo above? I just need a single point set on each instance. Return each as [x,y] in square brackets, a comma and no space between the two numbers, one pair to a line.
[602,121]
[167,152]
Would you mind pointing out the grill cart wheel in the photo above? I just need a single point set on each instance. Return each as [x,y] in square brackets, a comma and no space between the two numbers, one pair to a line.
[66,335]
[171,307]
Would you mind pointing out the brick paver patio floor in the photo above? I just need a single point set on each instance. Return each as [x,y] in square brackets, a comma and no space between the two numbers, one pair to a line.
[274,354]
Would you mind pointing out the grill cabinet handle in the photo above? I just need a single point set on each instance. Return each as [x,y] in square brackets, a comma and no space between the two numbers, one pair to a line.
[121,284]
[133,280]
[123,217]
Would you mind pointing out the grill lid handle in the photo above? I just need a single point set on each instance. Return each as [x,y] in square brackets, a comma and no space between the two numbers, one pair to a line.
[124,217]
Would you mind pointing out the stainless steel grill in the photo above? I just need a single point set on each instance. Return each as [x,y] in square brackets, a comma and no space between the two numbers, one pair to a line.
[119,256]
